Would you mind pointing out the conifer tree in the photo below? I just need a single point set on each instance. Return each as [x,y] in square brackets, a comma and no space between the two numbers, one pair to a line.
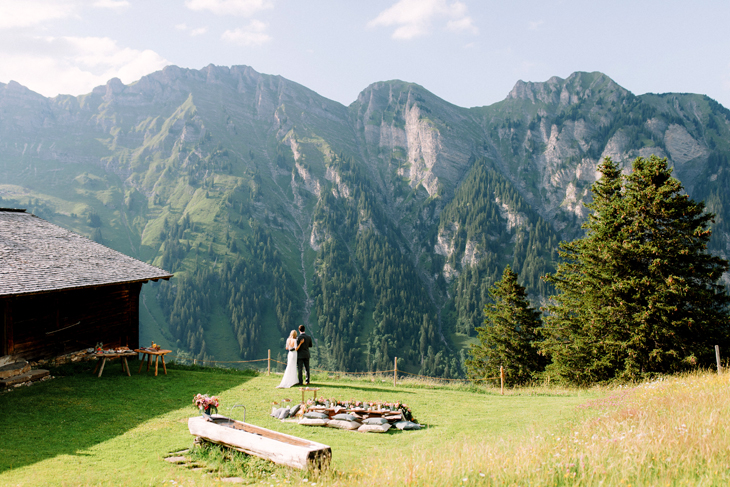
[509,334]
[639,294]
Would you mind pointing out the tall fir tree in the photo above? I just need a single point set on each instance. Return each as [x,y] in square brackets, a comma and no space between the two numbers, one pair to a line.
[509,334]
[639,294]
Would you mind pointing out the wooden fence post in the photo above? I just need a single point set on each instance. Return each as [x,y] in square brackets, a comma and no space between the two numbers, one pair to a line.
[195,361]
[395,370]
[501,379]
[717,357]
[268,367]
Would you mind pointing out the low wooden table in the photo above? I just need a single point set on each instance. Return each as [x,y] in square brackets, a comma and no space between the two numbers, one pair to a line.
[150,353]
[110,356]
[308,389]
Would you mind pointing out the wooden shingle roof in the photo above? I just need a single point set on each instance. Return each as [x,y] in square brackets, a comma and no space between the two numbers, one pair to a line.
[37,256]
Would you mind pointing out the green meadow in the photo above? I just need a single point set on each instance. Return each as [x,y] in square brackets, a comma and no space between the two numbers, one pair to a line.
[77,429]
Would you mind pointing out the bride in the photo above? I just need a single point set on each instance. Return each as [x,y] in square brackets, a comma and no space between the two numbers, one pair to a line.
[290,374]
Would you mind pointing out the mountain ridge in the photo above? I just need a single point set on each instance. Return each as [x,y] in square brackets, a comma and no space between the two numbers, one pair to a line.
[376,223]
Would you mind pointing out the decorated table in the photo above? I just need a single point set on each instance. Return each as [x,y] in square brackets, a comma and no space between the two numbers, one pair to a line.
[364,416]
[152,352]
[105,355]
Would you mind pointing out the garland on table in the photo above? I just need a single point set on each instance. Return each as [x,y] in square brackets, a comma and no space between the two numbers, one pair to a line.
[397,406]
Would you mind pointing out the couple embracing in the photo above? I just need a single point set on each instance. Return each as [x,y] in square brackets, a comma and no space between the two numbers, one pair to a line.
[297,359]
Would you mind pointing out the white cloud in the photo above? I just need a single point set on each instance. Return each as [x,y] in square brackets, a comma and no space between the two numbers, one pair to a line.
[75,65]
[191,31]
[243,8]
[27,13]
[414,18]
[463,24]
[254,34]
[113,4]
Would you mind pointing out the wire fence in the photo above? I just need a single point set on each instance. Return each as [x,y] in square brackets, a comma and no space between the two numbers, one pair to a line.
[374,373]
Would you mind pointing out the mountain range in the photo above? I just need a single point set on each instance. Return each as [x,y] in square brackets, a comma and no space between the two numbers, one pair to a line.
[381,225]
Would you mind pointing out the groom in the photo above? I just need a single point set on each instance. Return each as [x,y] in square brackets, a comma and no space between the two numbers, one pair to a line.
[304,342]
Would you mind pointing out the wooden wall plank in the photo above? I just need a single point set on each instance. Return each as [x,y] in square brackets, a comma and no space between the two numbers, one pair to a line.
[3,327]
[10,348]
[65,321]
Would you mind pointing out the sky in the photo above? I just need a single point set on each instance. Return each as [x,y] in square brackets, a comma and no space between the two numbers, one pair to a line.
[468,52]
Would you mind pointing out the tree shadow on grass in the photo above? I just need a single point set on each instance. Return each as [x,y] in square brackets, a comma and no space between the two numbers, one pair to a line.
[77,410]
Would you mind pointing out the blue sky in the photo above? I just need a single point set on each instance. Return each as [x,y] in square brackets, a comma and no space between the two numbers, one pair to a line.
[468,52]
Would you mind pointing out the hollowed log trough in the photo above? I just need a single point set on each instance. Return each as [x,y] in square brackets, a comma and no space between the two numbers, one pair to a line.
[254,440]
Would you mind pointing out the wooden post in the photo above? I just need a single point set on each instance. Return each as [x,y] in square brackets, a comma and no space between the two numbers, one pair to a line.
[717,357]
[268,367]
[395,370]
[501,379]
[195,362]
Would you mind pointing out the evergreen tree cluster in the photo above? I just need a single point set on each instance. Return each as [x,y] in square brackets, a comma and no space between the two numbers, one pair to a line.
[244,290]
[509,336]
[476,211]
[361,263]
[639,295]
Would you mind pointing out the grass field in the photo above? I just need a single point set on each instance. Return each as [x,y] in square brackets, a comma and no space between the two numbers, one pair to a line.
[78,429]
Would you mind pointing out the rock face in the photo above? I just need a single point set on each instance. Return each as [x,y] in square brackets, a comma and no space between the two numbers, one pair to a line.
[227,147]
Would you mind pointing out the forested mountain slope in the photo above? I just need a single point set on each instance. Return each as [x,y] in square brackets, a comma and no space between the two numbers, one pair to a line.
[380,225]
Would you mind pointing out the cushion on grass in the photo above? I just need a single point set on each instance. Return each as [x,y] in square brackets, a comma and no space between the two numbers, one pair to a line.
[375,421]
[345,417]
[294,409]
[316,415]
[374,428]
[276,412]
[343,425]
[283,414]
[313,422]
[407,425]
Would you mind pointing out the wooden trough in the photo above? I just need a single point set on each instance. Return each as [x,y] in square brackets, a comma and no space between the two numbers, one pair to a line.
[261,442]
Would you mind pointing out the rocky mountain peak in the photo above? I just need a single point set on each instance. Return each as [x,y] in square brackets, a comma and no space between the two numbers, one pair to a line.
[576,87]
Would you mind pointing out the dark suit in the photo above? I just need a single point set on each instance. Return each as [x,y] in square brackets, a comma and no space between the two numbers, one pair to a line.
[304,342]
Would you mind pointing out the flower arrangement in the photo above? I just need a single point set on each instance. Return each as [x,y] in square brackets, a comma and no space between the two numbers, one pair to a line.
[206,403]
[397,406]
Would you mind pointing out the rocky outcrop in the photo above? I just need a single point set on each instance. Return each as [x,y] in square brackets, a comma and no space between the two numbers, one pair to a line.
[311,183]
[340,190]
[513,219]
[445,240]
[318,237]
[472,254]
[682,146]
[424,145]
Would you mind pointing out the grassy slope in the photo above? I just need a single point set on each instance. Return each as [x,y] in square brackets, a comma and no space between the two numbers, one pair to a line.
[116,429]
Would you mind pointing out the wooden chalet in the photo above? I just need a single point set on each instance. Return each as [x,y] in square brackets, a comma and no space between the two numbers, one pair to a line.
[61,292]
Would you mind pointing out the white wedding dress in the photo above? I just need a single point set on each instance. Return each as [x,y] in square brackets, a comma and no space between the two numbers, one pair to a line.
[291,376]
